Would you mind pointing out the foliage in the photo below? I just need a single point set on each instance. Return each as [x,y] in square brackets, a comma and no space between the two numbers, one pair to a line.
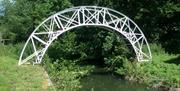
[66,74]
[157,73]
[74,50]
[65,47]
[157,49]
[21,17]
[159,21]
[13,50]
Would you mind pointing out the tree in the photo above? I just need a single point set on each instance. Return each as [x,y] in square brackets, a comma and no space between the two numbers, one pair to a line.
[21,17]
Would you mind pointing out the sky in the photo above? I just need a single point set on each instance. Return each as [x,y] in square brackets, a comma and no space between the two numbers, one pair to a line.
[0,3]
[1,7]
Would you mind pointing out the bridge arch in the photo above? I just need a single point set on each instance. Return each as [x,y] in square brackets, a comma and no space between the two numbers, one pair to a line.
[42,37]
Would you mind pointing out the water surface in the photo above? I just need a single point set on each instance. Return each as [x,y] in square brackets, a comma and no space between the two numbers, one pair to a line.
[109,82]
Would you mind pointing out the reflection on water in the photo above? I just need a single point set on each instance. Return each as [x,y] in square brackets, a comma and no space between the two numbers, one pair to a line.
[108,82]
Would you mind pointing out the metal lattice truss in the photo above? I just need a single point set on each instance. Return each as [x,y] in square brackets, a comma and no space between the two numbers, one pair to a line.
[42,37]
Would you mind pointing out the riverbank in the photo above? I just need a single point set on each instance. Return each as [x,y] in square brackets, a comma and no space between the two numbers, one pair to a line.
[163,73]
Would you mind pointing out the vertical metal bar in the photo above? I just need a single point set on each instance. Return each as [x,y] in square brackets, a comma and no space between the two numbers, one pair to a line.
[104,16]
[83,15]
[79,21]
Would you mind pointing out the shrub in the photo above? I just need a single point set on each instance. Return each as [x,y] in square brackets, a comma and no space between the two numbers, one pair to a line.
[66,74]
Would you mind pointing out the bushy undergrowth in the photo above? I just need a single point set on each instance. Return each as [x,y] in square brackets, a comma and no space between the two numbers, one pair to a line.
[7,50]
[66,74]
[158,73]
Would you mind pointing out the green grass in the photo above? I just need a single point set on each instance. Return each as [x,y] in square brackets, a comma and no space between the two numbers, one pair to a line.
[164,69]
[20,78]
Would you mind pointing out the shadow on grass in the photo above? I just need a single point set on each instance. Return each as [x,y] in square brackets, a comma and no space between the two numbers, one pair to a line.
[174,60]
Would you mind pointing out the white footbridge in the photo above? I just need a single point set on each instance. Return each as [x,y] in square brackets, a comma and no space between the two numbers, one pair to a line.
[49,30]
